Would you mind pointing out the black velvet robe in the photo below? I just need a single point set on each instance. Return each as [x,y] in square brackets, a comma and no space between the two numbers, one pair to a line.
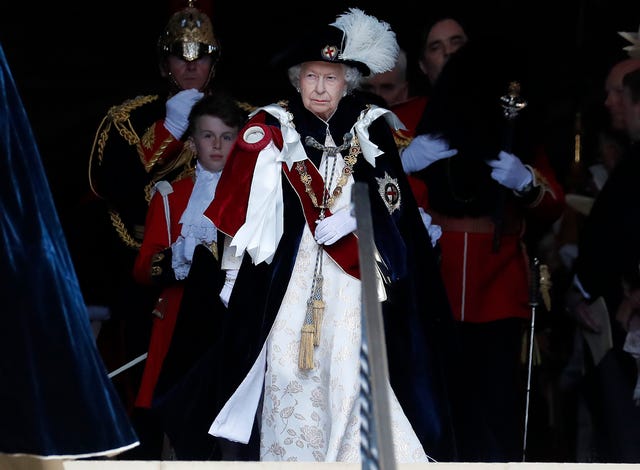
[417,319]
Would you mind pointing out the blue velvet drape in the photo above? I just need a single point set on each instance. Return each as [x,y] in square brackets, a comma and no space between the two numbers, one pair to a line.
[55,396]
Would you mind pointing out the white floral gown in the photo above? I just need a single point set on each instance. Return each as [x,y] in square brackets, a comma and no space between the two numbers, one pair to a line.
[314,415]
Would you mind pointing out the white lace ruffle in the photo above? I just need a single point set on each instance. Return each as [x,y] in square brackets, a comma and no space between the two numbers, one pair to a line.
[182,249]
[196,227]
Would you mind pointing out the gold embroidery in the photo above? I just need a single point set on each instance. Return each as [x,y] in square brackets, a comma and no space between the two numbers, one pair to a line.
[120,115]
[187,171]
[157,155]
[248,107]
[117,116]
[149,137]
[401,140]
[311,329]
[185,157]
[214,249]
[122,231]
[542,183]
[350,160]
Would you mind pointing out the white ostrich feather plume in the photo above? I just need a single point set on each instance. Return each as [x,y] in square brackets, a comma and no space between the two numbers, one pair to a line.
[368,40]
[634,38]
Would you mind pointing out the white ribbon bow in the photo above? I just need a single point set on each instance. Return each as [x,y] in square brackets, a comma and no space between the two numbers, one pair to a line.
[361,128]
[264,221]
[292,148]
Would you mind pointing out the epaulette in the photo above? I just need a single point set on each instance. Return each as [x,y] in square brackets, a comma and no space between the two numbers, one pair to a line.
[248,107]
[402,141]
[182,161]
[121,112]
[118,116]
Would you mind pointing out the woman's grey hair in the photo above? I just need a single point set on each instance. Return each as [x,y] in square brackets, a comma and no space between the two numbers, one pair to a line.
[352,75]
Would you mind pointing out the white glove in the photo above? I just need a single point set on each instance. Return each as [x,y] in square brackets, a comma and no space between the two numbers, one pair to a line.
[510,172]
[334,227]
[229,281]
[435,231]
[178,108]
[423,151]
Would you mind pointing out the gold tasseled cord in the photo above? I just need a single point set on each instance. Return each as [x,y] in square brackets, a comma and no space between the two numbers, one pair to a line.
[305,354]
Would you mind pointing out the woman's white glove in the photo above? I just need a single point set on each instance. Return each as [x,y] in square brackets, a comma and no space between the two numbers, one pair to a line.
[229,281]
[334,227]
[423,151]
[178,108]
[510,172]
[435,231]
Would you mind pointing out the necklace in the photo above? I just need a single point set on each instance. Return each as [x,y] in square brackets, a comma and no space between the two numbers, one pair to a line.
[350,160]
[311,328]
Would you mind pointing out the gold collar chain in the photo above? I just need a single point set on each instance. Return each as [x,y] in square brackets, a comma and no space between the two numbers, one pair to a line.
[312,326]
[350,160]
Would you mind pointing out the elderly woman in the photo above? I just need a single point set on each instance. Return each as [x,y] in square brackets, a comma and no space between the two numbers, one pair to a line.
[289,360]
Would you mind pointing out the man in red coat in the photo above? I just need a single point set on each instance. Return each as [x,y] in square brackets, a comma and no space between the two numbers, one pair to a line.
[490,188]
[138,143]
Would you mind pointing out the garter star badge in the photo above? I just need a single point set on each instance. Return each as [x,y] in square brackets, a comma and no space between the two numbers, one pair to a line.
[390,192]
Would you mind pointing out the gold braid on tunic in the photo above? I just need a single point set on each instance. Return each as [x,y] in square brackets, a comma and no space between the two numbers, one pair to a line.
[119,117]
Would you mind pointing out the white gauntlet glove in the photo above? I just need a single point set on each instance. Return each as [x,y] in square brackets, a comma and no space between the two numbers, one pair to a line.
[423,151]
[435,231]
[178,108]
[229,281]
[334,227]
[510,172]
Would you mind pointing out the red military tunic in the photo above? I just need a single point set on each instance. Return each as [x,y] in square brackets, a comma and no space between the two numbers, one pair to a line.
[156,239]
[485,285]
[501,291]
[410,112]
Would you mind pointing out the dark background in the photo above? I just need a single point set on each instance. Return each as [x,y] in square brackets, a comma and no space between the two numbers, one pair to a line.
[72,61]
